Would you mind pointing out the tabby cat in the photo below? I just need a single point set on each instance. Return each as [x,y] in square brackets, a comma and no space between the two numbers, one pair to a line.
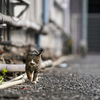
[33,61]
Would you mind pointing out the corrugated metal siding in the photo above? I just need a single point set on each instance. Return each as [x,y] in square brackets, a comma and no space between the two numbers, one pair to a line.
[94,32]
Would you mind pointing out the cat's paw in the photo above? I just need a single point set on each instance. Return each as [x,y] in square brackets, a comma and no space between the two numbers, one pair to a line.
[34,82]
[37,79]
[27,80]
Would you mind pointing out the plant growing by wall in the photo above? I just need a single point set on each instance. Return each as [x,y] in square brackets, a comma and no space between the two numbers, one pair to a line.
[2,76]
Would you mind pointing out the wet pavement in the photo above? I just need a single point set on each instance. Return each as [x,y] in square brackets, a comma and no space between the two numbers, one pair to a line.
[80,80]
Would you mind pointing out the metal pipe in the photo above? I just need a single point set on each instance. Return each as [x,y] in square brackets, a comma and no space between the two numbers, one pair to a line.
[1,34]
[9,84]
[21,67]
[19,23]
[8,20]
[45,18]
[45,12]
[6,43]
[84,19]
[8,27]
[13,67]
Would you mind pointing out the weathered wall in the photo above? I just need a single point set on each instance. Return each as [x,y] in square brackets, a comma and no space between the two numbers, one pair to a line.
[76,23]
[67,17]
[22,37]
[53,40]
[33,14]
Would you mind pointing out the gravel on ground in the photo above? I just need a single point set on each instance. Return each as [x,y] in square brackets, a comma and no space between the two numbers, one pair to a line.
[80,80]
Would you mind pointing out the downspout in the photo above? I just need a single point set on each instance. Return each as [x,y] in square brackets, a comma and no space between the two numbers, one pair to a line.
[45,18]
[1,34]
[45,12]
[83,42]
[8,27]
[84,19]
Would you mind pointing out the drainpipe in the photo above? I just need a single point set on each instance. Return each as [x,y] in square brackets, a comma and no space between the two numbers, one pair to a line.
[45,17]
[8,27]
[1,34]
[45,11]
[84,19]
[83,42]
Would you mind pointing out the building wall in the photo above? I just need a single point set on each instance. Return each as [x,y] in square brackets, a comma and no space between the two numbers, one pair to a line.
[67,17]
[76,6]
[22,37]
[76,23]
[33,14]
[56,14]
[38,11]
[53,40]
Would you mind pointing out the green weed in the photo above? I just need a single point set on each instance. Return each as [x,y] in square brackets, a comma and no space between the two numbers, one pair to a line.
[2,77]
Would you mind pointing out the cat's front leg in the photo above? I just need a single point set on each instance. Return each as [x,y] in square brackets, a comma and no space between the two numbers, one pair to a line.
[35,77]
[29,75]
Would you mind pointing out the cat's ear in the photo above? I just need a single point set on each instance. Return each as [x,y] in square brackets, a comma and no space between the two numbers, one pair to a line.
[40,52]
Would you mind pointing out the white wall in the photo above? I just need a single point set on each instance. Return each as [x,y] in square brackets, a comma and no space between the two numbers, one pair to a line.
[38,11]
[22,37]
[67,18]
[33,14]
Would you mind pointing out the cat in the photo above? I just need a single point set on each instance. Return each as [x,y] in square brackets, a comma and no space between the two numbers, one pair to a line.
[33,62]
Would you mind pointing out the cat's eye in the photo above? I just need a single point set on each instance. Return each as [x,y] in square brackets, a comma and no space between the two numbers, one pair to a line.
[37,61]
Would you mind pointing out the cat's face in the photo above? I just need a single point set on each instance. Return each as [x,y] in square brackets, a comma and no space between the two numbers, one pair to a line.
[33,58]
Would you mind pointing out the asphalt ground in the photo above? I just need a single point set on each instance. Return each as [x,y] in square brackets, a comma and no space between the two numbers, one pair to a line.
[80,80]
